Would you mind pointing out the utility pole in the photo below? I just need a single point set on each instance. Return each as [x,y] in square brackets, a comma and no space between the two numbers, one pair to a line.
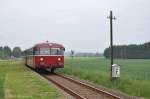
[111,17]
[72,54]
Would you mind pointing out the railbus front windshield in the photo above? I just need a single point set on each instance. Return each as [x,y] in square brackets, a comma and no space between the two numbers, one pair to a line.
[44,51]
[48,51]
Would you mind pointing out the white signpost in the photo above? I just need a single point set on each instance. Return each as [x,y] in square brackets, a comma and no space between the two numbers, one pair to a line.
[115,71]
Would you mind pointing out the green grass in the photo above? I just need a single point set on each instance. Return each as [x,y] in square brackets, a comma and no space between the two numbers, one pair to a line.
[135,74]
[19,82]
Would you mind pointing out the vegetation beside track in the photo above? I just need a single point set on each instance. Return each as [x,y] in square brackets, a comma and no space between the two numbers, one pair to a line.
[135,74]
[19,82]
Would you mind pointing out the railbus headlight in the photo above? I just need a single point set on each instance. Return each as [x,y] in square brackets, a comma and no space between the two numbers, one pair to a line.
[59,59]
[41,59]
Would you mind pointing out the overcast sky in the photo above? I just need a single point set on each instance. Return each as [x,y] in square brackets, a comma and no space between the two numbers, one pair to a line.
[81,25]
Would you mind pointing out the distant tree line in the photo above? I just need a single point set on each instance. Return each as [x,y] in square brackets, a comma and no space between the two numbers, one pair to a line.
[83,54]
[7,53]
[133,51]
[80,54]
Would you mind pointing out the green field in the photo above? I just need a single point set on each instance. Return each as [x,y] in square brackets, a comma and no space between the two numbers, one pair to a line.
[19,82]
[135,74]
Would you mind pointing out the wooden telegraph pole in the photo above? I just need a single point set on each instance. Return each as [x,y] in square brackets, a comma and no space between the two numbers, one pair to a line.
[111,17]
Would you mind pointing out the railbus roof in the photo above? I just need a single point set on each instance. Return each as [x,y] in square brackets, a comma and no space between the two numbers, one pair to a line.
[46,45]
[49,45]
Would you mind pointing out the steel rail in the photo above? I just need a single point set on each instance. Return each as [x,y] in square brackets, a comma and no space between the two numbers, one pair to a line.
[69,91]
[105,93]
[76,95]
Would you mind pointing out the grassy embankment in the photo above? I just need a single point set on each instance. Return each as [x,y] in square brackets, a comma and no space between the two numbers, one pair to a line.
[19,82]
[135,74]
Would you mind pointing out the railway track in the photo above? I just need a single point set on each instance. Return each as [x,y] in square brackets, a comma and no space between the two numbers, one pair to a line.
[78,89]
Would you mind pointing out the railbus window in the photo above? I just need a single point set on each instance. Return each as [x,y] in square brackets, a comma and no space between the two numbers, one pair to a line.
[36,51]
[57,51]
[44,51]
[54,51]
[62,51]
[30,52]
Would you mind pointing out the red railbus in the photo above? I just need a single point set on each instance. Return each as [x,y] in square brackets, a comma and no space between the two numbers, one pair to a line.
[45,55]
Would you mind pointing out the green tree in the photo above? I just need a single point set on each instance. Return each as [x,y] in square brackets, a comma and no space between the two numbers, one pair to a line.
[6,52]
[1,52]
[16,52]
[141,51]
